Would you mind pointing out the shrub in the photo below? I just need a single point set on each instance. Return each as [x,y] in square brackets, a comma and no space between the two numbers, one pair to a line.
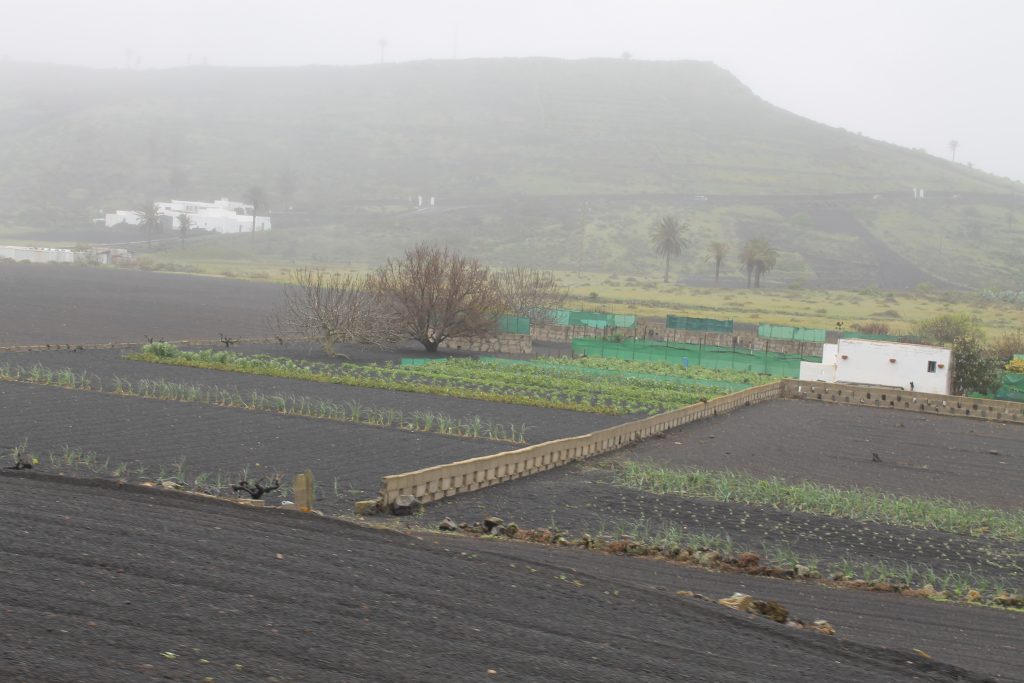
[161,349]
[1009,345]
[872,328]
[946,328]
[974,370]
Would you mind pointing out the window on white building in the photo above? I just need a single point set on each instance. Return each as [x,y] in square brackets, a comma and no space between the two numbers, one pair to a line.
[931,366]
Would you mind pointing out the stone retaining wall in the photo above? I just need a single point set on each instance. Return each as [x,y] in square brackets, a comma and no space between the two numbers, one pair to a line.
[502,343]
[897,399]
[433,483]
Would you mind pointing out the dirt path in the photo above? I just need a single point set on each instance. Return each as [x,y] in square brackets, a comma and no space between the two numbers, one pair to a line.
[123,585]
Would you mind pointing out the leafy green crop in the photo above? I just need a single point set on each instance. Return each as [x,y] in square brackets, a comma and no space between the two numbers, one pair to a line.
[562,384]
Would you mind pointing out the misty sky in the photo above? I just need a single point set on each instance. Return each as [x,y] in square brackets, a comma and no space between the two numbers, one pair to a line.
[915,72]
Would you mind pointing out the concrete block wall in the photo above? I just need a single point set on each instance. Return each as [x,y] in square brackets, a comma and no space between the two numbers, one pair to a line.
[897,399]
[433,483]
[501,343]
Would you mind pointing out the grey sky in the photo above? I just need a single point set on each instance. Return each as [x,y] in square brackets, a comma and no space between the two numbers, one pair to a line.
[915,72]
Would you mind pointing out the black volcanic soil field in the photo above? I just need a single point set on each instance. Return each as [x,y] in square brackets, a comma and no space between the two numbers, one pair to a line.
[117,582]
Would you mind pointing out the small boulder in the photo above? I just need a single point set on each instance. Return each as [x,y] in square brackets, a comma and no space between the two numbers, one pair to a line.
[367,507]
[738,601]
[822,626]
[405,505]
[747,560]
[491,522]
[448,525]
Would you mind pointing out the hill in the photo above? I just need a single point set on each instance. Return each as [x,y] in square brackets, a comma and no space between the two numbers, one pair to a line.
[568,161]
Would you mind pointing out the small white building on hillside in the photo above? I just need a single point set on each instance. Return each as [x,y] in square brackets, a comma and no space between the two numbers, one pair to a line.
[914,367]
[222,216]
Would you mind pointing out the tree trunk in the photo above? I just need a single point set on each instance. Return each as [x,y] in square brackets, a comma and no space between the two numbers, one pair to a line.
[750,272]
[430,344]
[718,267]
[757,278]
[666,267]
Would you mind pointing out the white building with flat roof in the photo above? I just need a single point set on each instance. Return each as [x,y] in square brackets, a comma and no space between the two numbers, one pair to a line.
[222,215]
[913,367]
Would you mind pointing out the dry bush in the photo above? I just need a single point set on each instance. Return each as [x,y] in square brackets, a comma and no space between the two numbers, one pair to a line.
[330,308]
[529,293]
[872,327]
[1005,347]
[438,294]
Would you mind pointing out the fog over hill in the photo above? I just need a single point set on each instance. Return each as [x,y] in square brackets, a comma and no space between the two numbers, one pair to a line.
[574,159]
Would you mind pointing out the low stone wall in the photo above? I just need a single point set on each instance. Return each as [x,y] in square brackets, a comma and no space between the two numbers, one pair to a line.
[897,399]
[501,343]
[442,481]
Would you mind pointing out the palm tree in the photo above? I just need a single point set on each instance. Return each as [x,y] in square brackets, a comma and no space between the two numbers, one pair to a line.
[258,198]
[149,220]
[953,144]
[758,257]
[717,251]
[667,238]
[184,225]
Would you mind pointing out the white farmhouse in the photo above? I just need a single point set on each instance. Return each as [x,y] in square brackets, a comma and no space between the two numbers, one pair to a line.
[222,216]
[887,364]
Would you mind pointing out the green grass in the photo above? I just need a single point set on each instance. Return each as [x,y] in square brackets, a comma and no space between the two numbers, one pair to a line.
[862,504]
[562,385]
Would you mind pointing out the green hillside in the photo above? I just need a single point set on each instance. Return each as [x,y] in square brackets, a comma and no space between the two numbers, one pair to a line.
[565,162]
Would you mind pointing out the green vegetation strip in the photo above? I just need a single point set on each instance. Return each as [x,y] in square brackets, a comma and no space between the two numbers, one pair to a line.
[349,411]
[862,504]
[672,540]
[565,384]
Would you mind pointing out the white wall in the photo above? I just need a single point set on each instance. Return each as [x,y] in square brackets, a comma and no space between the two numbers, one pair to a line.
[862,361]
[38,254]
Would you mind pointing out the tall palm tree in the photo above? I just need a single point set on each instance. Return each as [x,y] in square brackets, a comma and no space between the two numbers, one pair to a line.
[149,220]
[184,225]
[717,251]
[256,196]
[758,257]
[667,238]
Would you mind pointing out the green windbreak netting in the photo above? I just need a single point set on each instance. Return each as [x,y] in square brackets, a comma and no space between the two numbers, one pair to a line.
[595,319]
[729,387]
[679,322]
[421,361]
[768,331]
[510,324]
[1012,388]
[717,357]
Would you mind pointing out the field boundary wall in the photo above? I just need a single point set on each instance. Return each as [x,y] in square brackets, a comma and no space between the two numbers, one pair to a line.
[521,344]
[442,481]
[898,399]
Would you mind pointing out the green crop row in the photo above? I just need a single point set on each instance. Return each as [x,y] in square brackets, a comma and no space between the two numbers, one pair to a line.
[544,385]
[863,504]
[349,411]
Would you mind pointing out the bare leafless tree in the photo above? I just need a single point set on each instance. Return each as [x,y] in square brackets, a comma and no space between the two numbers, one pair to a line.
[439,294]
[529,293]
[330,308]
